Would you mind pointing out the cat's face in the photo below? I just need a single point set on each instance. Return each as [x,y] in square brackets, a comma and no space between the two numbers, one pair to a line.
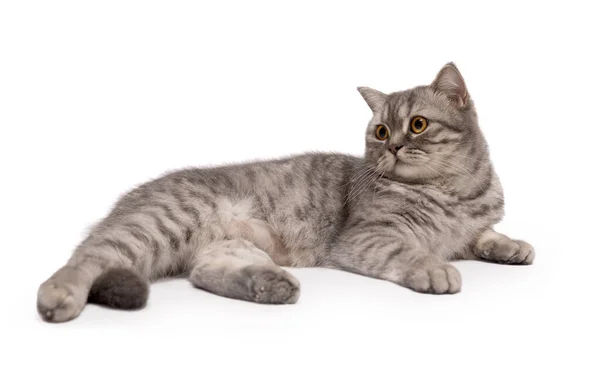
[427,132]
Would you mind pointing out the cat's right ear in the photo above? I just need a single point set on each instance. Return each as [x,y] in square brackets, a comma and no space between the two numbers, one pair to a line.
[375,99]
[450,82]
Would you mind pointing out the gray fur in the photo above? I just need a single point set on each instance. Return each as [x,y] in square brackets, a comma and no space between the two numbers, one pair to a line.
[401,212]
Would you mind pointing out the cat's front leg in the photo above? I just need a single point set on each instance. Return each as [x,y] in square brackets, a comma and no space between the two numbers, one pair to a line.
[390,259]
[423,272]
[496,247]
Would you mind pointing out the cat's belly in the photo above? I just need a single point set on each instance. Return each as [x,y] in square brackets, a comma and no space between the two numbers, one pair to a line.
[288,237]
[299,239]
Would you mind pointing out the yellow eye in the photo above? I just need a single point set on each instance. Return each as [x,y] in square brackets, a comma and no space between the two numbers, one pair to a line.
[381,132]
[418,124]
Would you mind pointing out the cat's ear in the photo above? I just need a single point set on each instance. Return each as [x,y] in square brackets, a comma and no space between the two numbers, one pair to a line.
[375,99]
[450,82]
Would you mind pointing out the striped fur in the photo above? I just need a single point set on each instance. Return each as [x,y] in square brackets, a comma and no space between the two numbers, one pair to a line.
[398,216]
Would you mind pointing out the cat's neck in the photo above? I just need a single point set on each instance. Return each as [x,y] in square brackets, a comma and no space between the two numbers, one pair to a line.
[467,184]
[470,183]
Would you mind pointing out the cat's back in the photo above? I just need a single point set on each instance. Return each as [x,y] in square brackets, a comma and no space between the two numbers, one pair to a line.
[278,175]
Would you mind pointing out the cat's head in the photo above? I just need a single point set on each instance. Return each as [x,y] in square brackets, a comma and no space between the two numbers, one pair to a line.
[424,133]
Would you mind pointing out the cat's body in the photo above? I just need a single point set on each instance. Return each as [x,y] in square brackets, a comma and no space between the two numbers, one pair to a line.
[291,208]
[385,215]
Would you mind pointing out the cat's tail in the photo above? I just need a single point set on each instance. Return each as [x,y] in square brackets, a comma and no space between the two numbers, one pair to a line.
[119,288]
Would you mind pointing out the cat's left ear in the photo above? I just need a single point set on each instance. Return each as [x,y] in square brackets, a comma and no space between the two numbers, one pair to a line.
[375,99]
[450,82]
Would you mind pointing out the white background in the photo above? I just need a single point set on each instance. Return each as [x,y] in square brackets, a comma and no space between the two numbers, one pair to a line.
[96,97]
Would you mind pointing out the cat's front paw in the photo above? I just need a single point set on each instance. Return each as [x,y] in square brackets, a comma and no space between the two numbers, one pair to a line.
[443,279]
[504,250]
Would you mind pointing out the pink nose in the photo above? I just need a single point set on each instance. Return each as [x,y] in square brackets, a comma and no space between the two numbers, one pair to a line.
[395,149]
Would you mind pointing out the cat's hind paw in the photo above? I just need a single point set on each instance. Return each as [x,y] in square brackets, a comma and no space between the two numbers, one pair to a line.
[273,286]
[56,302]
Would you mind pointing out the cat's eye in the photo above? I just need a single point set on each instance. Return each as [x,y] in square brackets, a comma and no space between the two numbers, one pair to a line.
[381,132]
[418,124]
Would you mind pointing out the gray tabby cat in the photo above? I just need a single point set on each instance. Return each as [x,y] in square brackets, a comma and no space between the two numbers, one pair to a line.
[424,193]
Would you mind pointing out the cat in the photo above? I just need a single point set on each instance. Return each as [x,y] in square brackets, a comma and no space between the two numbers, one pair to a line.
[425,193]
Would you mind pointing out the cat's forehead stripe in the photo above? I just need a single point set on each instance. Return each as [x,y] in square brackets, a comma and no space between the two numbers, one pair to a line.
[399,109]
[403,111]
[405,125]
[410,100]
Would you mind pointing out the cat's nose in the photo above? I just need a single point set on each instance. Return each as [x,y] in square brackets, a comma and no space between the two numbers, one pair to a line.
[395,148]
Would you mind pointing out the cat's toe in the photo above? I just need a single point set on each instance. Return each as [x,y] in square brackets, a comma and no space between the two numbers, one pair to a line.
[505,251]
[454,279]
[445,279]
[525,255]
[275,286]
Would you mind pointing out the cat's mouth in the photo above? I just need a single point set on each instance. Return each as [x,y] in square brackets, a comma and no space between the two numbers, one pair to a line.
[406,160]
[387,162]
[410,157]
[407,165]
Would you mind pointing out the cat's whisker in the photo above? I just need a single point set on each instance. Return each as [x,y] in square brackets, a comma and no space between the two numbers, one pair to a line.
[462,171]
[358,191]
[359,175]
[359,186]
[458,170]
[453,154]
[376,195]
[367,185]
[452,164]
[444,177]
[375,179]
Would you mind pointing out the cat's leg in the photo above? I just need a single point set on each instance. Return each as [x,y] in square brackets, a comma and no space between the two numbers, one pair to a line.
[420,271]
[237,269]
[111,267]
[65,293]
[496,247]
[389,259]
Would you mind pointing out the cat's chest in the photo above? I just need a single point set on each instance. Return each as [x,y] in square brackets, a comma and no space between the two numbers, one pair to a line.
[442,222]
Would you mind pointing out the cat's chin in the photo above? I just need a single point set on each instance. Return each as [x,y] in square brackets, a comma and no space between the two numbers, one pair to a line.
[407,172]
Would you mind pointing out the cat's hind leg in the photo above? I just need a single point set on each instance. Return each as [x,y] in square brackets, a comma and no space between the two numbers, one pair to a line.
[102,270]
[237,269]
[88,279]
